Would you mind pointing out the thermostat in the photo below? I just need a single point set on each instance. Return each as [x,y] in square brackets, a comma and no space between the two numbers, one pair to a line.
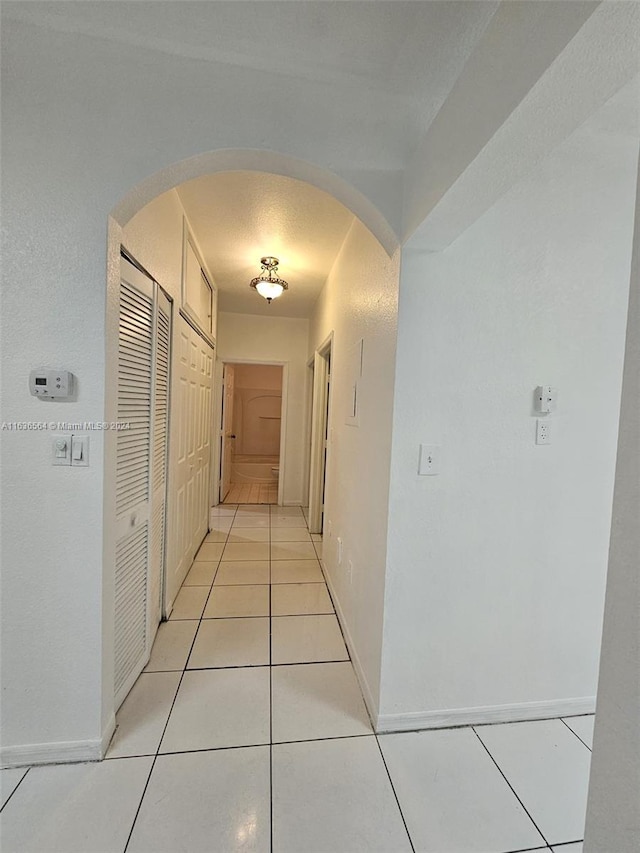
[51,384]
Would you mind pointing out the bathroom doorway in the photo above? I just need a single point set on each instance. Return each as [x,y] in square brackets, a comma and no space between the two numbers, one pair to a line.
[251,433]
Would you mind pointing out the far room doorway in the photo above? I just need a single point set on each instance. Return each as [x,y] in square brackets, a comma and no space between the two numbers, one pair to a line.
[251,433]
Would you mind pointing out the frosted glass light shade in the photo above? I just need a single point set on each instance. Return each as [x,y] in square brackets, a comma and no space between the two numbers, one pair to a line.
[269,289]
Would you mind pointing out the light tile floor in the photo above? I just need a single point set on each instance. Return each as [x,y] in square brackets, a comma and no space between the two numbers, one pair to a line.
[248,731]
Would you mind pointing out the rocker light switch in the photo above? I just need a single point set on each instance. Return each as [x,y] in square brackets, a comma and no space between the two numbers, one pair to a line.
[80,450]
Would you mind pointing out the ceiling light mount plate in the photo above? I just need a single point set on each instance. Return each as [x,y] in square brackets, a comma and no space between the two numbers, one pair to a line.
[267,284]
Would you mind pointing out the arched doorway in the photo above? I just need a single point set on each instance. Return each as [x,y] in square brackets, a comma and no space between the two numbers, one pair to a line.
[209,164]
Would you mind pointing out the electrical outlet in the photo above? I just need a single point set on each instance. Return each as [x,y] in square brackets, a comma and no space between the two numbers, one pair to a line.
[543,431]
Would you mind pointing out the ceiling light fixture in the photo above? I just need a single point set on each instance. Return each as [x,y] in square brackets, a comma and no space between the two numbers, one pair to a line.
[267,283]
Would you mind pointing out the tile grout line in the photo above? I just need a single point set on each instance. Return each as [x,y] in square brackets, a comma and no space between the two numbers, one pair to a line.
[24,776]
[579,738]
[175,695]
[260,665]
[393,788]
[252,746]
[529,849]
[510,786]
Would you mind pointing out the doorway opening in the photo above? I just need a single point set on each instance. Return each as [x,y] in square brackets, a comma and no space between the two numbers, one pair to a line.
[219,561]
[320,418]
[251,433]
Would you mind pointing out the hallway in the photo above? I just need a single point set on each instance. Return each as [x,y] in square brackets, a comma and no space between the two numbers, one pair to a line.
[247,731]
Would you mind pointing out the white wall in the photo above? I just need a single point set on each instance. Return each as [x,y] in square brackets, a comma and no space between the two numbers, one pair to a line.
[613,812]
[266,377]
[154,238]
[248,337]
[359,301]
[496,567]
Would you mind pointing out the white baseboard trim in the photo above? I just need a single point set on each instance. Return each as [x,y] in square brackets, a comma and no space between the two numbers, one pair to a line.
[485,715]
[372,705]
[58,752]
[107,734]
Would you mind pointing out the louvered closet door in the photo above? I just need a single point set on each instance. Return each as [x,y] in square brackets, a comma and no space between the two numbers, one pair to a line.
[134,450]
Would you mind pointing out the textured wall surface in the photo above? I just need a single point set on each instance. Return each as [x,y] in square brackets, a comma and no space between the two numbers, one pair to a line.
[359,302]
[613,816]
[154,238]
[496,567]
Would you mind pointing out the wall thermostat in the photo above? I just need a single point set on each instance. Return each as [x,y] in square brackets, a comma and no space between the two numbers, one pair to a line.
[51,384]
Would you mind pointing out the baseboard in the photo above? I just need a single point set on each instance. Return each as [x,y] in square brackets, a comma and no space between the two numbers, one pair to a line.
[485,715]
[107,735]
[372,705]
[60,752]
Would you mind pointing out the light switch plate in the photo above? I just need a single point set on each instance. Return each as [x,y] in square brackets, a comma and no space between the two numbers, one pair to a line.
[80,451]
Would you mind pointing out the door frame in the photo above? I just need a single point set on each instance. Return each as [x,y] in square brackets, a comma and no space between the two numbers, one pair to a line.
[219,394]
[320,426]
[225,426]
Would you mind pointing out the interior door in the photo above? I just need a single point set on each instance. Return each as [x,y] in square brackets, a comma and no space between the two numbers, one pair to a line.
[203,376]
[227,431]
[190,452]
[133,499]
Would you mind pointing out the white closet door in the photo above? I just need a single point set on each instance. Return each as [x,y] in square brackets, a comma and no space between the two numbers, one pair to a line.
[159,446]
[135,375]
[191,452]
[204,379]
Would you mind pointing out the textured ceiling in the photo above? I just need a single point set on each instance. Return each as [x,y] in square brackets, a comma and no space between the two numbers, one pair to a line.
[237,217]
[403,56]
[401,100]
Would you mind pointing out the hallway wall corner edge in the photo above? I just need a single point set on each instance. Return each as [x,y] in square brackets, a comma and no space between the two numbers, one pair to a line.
[58,752]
